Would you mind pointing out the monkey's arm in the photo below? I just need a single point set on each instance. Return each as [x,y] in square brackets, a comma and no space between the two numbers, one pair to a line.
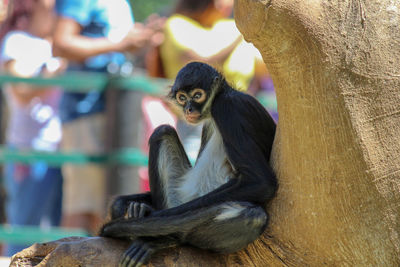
[248,133]
[240,117]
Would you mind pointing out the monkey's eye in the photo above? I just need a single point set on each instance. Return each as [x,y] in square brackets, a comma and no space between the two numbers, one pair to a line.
[197,95]
[181,98]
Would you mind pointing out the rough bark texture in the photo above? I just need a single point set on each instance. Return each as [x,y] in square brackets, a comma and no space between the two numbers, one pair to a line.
[336,69]
[335,65]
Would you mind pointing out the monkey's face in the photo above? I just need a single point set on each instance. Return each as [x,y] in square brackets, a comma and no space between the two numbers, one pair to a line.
[192,103]
[194,90]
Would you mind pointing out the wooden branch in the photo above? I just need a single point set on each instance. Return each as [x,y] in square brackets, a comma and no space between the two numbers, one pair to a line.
[98,251]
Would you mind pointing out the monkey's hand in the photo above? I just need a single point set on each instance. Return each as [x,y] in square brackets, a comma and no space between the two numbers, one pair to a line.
[134,213]
[137,210]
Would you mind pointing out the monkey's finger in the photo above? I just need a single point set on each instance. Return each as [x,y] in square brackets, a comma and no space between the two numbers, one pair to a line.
[130,257]
[141,257]
[136,210]
[143,209]
[135,261]
[126,256]
[129,212]
[144,258]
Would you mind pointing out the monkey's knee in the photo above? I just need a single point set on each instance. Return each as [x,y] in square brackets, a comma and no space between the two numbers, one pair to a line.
[118,207]
[161,132]
[162,144]
[236,226]
[167,154]
[245,227]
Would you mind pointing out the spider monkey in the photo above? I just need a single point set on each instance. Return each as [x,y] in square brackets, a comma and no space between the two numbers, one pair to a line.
[219,203]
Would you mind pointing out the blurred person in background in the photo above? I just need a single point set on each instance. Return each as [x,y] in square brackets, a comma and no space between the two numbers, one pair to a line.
[35,190]
[3,15]
[3,10]
[93,35]
[204,31]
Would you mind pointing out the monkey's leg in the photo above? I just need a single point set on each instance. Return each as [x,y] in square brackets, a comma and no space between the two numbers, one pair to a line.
[168,162]
[224,227]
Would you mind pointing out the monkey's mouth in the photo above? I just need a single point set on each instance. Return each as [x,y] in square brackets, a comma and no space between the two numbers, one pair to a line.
[193,117]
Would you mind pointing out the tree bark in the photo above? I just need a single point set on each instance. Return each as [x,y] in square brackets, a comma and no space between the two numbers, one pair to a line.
[335,67]
[336,70]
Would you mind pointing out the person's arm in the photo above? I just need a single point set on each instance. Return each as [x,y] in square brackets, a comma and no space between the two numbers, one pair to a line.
[201,44]
[219,57]
[23,93]
[70,44]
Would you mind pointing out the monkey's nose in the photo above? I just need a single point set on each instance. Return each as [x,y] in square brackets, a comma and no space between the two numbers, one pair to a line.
[189,110]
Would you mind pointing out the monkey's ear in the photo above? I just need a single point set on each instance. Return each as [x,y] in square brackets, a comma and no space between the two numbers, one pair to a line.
[171,93]
[217,79]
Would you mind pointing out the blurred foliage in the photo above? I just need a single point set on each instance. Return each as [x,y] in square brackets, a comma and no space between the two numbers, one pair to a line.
[143,8]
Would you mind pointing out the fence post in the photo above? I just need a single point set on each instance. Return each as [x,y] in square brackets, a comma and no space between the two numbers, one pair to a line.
[3,193]
[124,130]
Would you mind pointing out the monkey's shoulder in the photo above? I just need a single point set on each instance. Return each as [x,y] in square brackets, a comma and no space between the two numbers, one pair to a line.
[237,98]
[238,104]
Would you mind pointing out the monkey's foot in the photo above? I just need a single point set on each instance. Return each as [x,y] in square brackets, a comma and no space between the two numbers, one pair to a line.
[137,254]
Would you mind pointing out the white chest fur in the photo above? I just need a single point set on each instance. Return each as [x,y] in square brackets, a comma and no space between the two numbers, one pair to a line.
[212,169]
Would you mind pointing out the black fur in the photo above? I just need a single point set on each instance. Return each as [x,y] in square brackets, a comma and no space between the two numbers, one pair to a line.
[194,75]
[229,215]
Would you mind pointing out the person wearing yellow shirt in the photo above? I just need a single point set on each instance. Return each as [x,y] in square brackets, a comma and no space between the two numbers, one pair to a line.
[203,31]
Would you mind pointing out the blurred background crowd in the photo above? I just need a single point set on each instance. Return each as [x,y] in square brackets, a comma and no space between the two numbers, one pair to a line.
[47,38]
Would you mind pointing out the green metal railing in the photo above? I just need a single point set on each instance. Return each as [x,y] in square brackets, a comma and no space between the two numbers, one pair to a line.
[93,81]
[75,82]
[127,156]
[32,234]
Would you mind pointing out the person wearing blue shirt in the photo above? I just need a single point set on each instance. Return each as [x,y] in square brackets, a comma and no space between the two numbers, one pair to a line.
[93,35]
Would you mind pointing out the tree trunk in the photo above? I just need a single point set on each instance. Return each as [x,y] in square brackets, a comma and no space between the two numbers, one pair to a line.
[336,70]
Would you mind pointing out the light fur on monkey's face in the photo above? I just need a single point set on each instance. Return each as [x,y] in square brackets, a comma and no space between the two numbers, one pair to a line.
[191,103]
